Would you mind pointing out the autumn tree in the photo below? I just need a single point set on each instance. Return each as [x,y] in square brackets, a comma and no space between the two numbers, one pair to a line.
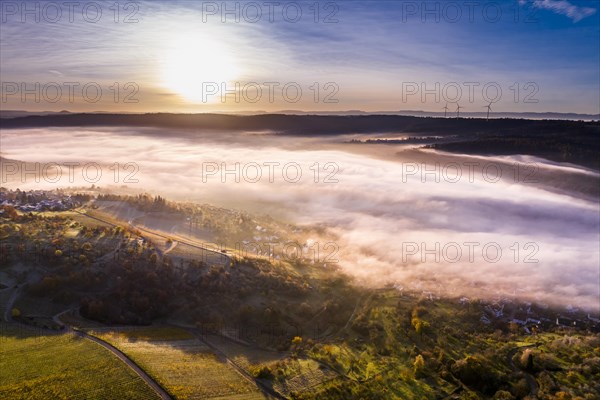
[419,366]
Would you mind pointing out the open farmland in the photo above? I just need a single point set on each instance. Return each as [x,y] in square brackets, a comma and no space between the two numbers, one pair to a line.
[35,366]
[182,364]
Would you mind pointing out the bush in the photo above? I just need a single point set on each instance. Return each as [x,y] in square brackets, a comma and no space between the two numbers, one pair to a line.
[263,373]
[503,395]
[473,373]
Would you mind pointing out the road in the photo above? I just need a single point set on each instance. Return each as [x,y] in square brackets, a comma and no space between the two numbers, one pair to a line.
[151,382]
[267,390]
[222,256]
[142,374]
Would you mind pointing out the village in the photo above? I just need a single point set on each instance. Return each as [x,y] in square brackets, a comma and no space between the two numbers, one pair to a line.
[39,200]
[533,318]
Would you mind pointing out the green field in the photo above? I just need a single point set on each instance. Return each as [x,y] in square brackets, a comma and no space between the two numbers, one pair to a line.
[34,366]
[184,366]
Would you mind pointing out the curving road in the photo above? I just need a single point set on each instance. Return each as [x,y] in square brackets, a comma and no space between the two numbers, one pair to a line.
[225,257]
[130,363]
[145,377]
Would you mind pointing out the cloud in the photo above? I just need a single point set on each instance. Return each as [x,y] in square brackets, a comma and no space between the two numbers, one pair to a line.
[390,226]
[562,7]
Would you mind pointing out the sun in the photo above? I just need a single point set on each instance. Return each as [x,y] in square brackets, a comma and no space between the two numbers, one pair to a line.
[195,63]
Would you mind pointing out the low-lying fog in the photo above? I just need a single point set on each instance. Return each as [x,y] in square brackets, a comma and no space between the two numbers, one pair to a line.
[454,228]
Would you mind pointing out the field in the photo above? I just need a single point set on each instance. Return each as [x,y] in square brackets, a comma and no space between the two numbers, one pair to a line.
[183,365]
[34,366]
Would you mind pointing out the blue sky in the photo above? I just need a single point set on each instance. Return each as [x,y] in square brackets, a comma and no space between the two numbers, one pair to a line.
[375,55]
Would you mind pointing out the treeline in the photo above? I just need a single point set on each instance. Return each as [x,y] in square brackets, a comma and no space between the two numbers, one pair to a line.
[303,124]
[581,147]
[143,201]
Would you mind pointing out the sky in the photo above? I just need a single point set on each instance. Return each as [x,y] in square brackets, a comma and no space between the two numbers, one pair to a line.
[516,55]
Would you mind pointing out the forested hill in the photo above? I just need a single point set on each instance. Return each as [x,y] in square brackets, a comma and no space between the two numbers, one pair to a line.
[564,141]
[304,124]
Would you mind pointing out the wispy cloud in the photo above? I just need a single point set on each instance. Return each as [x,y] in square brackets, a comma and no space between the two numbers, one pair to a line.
[563,7]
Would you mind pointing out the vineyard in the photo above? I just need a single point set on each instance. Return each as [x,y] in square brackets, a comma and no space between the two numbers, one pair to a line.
[36,366]
[300,375]
[185,367]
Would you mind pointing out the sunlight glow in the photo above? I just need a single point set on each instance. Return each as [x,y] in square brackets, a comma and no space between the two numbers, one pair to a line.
[192,61]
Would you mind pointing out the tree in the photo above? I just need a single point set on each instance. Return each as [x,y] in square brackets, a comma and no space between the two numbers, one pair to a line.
[476,374]
[562,396]
[419,325]
[527,359]
[11,212]
[419,365]
[297,346]
[503,395]
[263,372]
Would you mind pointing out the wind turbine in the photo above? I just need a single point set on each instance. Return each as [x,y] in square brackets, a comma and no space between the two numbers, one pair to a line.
[458,107]
[489,108]
[445,110]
